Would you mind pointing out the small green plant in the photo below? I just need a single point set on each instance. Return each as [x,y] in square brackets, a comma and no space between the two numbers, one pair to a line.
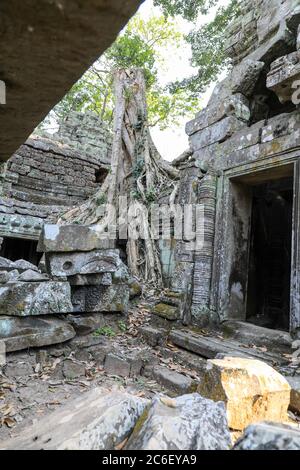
[136,195]
[138,168]
[105,331]
[101,200]
[122,326]
[150,196]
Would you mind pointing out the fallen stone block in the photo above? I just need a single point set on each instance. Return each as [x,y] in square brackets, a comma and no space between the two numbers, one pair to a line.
[18,369]
[189,422]
[7,276]
[258,335]
[22,265]
[269,436]
[115,365]
[72,370]
[67,238]
[6,264]
[85,324]
[135,288]
[251,390]
[294,383]
[35,298]
[30,332]
[173,381]
[153,336]
[98,420]
[244,76]
[169,312]
[91,299]
[242,80]
[32,276]
[93,262]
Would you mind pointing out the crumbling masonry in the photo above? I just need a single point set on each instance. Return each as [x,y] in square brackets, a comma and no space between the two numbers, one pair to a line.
[243,166]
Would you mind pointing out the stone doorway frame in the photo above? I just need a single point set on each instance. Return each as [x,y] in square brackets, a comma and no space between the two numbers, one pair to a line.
[232,304]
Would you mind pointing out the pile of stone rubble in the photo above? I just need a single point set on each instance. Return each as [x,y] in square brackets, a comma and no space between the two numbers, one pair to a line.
[78,275]
[233,395]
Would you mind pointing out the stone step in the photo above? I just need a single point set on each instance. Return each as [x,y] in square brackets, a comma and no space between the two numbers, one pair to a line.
[173,381]
[259,336]
[187,359]
[175,301]
[169,312]
[209,347]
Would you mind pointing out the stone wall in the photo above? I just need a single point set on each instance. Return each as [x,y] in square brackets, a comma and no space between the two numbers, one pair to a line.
[86,133]
[46,177]
[250,125]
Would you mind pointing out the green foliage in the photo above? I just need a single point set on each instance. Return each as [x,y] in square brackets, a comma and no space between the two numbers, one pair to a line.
[207,43]
[102,199]
[105,331]
[151,196]
[140,45]
[189,9]
[138,168]
[122,326]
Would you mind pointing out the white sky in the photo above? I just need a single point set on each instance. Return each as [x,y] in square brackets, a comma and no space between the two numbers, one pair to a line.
[172,142]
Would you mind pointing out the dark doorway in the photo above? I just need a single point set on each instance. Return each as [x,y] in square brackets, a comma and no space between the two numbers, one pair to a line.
[268,294]
[18,248]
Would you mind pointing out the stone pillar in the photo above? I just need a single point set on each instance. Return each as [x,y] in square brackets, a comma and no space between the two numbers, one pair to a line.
[203,258]
[184,253]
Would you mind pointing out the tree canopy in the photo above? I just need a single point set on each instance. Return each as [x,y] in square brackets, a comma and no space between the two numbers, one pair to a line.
[142,45]
[139,46]
[207,43]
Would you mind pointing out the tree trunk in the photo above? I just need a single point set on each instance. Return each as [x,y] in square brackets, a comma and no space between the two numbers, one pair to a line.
[137,172]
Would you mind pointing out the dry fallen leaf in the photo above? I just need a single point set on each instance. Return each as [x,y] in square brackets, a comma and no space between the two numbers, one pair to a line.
[122,444]
[10,423]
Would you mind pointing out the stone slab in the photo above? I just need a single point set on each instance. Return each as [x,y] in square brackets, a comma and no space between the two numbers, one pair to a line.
[68,238]
[92,262]
[218,132]
[116,365]
[30,332]
[173,381]
[35,298]
[269,436]
[189,422]
[258,335]
[169,312]
[98,420]
[235,105]
[210,346]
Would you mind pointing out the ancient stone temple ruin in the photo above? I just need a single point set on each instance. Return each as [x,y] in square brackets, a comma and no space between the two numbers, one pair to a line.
[246,158]
[69,299]
[242,167]
[47,176]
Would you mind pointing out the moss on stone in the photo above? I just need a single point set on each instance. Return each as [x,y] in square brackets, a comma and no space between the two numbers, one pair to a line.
[166,311]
